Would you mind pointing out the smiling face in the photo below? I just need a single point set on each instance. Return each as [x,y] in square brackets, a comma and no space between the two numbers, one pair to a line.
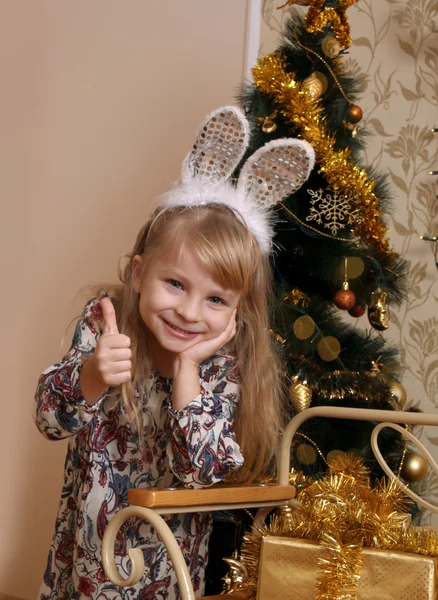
[180,303]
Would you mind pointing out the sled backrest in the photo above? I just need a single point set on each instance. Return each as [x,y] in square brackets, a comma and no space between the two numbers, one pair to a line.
[149,504]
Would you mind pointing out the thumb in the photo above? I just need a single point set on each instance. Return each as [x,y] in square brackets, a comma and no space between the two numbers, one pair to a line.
[109,317]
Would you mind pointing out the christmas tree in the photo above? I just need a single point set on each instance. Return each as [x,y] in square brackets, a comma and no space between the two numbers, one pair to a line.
[333,262]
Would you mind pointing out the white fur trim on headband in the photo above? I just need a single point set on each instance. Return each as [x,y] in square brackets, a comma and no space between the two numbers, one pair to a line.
[196,193]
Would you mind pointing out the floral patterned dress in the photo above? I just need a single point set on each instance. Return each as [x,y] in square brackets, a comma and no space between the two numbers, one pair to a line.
[194,447]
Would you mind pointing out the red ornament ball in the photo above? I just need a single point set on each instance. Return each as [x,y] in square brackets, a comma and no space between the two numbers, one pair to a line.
[344,299]
[357,311]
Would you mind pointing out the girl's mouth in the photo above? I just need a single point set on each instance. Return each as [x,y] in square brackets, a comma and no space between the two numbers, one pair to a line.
[179,332]
[179,329]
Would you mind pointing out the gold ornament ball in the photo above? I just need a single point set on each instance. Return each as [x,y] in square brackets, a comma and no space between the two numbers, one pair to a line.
[304,327]
[398,392]
[330,46]
[313,87]
[300,395]
[355,113]
[355,267]
[306,454]
[329,348]
[414,467]
[334,454]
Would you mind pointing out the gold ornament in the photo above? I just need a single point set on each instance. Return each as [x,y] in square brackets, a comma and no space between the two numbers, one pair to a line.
[329,348]
[304,327]
[378,313]
[318,17]
[341,174]
[333,455]
[352,128]
[306,454]
[375,369]
[355,266]
[330,46]
[286,516]
[313,87]
[237,575]
[323,79]
[269,125]
[414,467]
[300,395]
[297,298]
[321,76]
[398,392]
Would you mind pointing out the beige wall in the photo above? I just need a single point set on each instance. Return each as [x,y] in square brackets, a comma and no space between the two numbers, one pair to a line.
[394,56]
[99,102]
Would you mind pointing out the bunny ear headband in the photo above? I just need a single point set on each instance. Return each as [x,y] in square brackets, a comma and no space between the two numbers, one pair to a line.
[268,177]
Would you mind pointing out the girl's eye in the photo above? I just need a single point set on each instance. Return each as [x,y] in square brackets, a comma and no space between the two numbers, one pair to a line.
[216,300]
[175,284]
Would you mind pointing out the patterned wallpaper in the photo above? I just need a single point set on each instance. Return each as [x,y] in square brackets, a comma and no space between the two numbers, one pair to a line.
[395,56]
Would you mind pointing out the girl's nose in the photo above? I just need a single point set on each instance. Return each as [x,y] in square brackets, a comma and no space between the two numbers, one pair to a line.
[189,309]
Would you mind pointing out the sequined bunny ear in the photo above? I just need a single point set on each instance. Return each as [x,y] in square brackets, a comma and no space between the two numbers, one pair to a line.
[276,170]
[219,147]
[269,176]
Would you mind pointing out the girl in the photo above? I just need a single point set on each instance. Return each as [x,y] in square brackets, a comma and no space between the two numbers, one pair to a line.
[171,377]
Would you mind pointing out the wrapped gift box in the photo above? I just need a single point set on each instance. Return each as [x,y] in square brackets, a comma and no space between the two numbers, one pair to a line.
[289,567]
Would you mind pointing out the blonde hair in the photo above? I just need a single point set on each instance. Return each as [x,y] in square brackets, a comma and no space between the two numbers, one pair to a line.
[227,250]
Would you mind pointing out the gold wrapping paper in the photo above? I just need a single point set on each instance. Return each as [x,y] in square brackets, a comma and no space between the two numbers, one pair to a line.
[288,571]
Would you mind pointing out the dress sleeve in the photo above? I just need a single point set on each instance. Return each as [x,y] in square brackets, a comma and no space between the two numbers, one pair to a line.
[202,446]
[61,409]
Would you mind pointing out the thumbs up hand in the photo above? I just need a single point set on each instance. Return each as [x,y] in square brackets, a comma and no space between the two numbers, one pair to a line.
[110,365]
[112,357]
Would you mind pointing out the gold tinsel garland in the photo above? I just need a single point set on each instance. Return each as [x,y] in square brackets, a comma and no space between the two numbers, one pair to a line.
[343,513]
[297,107]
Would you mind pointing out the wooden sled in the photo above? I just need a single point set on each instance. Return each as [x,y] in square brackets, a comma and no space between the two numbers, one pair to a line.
[151,503]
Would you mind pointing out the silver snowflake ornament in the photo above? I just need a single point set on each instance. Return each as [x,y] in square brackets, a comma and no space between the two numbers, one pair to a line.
[334,210]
